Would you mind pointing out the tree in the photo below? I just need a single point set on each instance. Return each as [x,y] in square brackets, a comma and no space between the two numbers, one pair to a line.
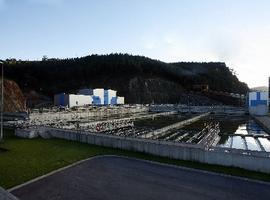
[44,58]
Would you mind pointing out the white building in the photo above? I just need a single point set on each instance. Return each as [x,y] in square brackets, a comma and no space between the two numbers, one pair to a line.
[109,97]
[79,100]
[100,96]
[72,100]
[120,100]
[258,103]
[97,96]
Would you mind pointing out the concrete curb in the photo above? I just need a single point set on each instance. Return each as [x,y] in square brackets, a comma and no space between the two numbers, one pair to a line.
[140,160]
[5,195]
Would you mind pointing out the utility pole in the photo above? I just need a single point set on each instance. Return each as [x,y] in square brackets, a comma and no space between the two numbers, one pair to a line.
[2,98]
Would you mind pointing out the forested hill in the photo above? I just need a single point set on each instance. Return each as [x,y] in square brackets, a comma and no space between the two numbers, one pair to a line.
[139,79]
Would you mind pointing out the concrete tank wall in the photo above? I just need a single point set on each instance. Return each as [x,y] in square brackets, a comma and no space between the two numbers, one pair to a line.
[250,160]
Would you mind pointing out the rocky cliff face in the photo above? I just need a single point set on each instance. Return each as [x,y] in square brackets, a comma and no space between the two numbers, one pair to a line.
[152,90]
[14,100]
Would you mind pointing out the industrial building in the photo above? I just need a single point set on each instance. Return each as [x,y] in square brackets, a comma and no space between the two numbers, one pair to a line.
[97,95]
[88,96]
[110,97]
[258,103]
[71,100]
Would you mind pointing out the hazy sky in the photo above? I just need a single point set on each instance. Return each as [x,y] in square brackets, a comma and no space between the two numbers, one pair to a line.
[233,31]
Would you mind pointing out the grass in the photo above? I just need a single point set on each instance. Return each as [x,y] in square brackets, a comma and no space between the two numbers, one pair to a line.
[26,159]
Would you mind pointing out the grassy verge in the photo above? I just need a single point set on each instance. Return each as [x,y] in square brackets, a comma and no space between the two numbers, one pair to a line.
[26,159]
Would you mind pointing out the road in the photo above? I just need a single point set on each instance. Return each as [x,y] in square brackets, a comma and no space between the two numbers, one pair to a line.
[118,178]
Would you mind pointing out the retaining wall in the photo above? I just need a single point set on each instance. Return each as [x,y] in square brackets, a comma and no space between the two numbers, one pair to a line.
[250,160]
[264,121]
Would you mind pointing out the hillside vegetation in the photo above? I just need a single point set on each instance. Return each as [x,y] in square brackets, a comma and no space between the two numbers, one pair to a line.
[139,79]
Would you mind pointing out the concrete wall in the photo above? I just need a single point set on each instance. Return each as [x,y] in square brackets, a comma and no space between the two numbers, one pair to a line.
[264,121]
[250,160]
[259,110]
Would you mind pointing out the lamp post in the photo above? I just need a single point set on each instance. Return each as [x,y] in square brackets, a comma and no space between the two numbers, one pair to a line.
[2,98]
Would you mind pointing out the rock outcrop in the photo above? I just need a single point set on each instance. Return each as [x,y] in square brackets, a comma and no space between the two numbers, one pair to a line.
[14,100]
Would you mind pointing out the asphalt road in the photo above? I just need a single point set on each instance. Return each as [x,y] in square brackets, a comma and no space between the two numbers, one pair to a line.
[118,178]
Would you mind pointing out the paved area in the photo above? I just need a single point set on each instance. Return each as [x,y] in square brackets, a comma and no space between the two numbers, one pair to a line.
[4,195]
[117,178]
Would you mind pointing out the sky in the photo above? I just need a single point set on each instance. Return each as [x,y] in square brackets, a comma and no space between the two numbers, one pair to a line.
[236,32]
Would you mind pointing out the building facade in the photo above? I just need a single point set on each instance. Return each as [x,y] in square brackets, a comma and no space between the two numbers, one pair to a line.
[97,96]
[258,103]
[72,100]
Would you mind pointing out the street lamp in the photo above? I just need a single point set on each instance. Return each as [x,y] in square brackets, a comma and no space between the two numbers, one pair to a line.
[2,98]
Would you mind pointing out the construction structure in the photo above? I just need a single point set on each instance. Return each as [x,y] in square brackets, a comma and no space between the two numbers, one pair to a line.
[87,96]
